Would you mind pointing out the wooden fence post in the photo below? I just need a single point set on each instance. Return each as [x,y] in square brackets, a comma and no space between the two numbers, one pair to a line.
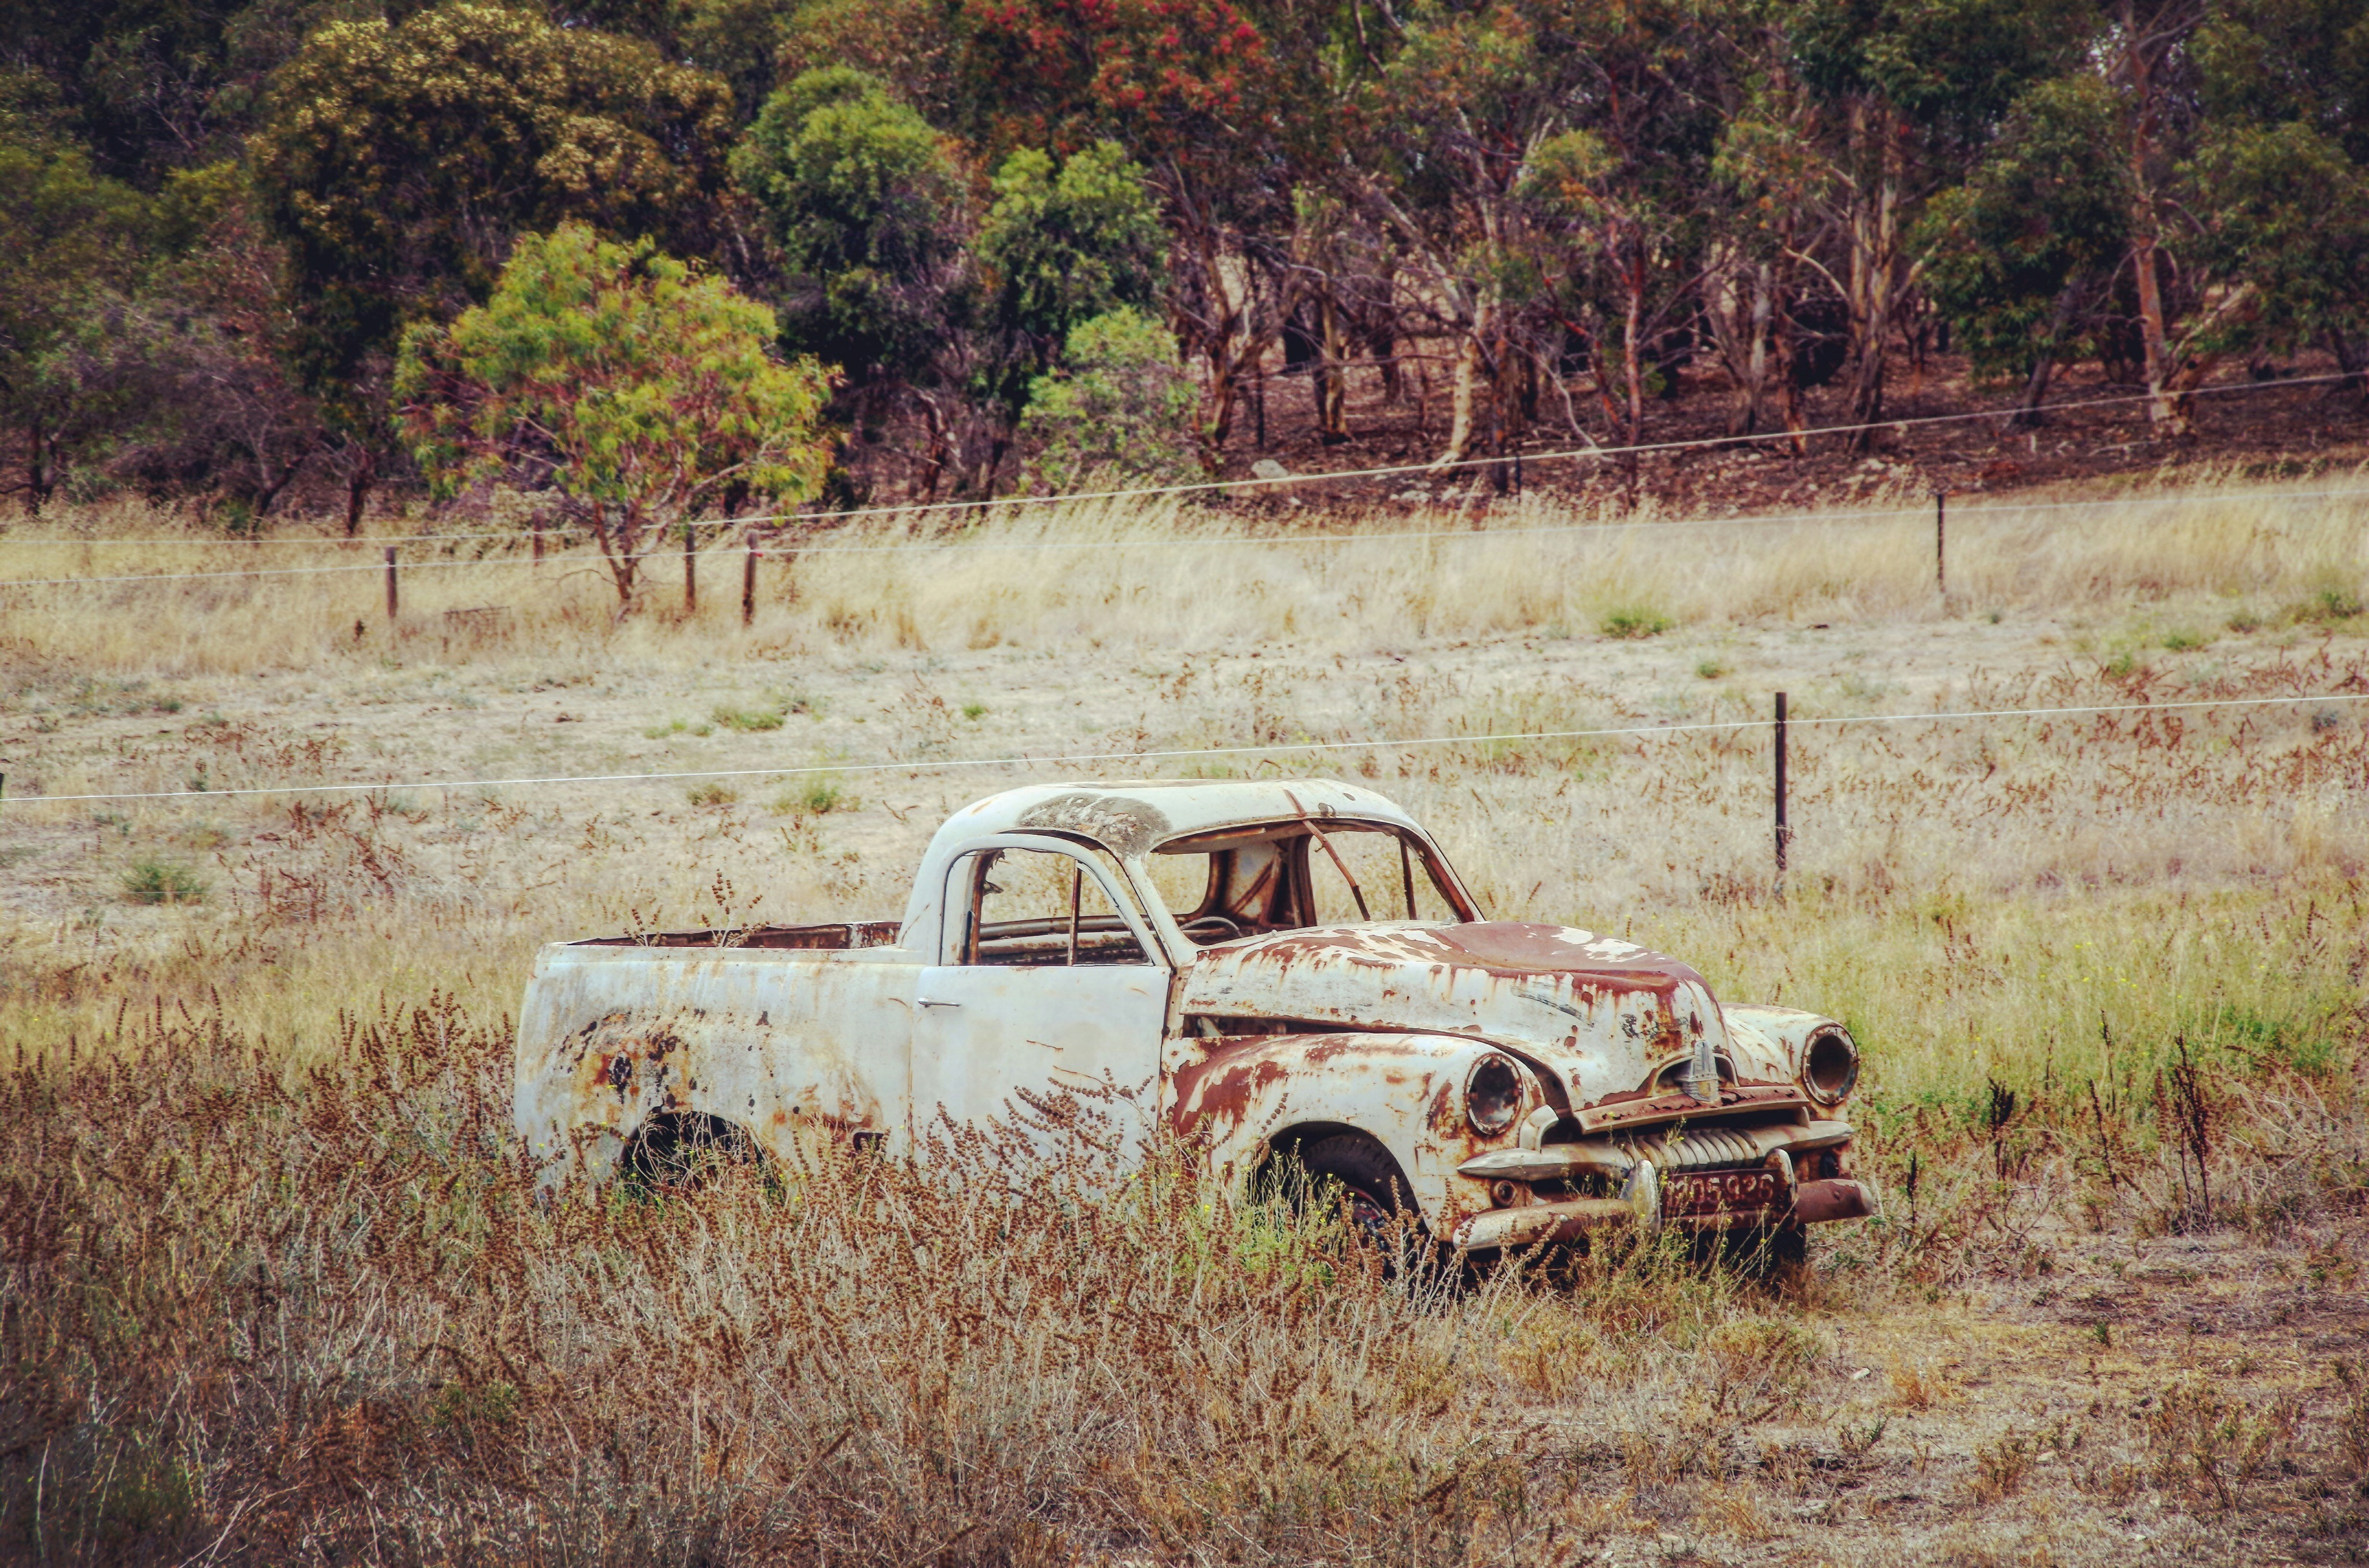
[1784,830]
[389,583]
[1940,542]
[689,571]
[748,582]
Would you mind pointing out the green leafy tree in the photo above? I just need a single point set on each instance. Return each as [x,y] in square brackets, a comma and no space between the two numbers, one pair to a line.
[2024,251]
[75,241]
[2284,221]
[2283,156]
[635,389]
[1224,135]
[1634,244]
[1118,411]
[397,160]
[1534,162]
[866,207]
[1059,245]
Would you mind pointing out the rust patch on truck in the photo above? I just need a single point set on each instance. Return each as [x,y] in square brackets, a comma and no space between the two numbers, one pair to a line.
[1127,826]
[1213,1095]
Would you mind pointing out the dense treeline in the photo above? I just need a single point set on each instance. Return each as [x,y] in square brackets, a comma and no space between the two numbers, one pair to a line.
[1044,239]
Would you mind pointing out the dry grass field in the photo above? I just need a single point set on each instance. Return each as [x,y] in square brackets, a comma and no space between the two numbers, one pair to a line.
[274,1291]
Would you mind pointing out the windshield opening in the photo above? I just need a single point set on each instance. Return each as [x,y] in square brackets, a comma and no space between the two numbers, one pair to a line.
[1292,875]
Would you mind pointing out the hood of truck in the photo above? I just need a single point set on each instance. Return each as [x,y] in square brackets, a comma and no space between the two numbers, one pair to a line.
[1597,1013]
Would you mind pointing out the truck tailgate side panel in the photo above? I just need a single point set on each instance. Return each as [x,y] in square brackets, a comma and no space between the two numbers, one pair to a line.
[800,1050]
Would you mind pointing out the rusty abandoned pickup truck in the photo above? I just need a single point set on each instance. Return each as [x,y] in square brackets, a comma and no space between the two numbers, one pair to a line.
[1269,969]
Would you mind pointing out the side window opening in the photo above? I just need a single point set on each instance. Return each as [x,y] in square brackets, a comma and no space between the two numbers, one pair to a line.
[1036,909]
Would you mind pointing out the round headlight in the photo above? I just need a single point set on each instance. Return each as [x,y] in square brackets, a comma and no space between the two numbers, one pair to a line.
[1829,1065]
[1492,1096]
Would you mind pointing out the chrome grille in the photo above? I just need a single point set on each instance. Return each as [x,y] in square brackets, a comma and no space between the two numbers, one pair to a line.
[1699,1148]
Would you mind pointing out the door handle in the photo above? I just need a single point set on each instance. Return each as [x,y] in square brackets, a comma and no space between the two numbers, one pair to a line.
[927,1002]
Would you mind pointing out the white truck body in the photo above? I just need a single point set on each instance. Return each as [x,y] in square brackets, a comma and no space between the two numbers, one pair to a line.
[1175,951]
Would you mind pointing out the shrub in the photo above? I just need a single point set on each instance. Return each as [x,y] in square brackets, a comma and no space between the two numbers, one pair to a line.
[151,881]
[1121,411]
[1634,621]
[2329,604]
[747,720]
[817,796]
[713,794]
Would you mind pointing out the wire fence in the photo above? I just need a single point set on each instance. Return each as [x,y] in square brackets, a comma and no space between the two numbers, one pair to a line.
[1178,754]
[913,510]
[779,550]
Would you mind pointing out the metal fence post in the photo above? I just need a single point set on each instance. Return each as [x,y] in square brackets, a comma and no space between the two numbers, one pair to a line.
[389,583]
[1784,831]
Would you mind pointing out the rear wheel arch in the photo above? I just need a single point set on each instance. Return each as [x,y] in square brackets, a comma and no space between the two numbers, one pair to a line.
[680,1151]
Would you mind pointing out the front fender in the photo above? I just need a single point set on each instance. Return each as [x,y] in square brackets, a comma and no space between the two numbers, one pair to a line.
[1237,1094]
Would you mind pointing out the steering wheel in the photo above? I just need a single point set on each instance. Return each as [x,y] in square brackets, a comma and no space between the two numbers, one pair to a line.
[1192,928]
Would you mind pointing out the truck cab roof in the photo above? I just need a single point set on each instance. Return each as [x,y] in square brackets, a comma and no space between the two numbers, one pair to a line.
[1133,818]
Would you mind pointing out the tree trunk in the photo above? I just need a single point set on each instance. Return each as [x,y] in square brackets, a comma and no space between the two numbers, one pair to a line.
[1739,304]
[269,486]
[1332,374]
[358,479]
[1874,269]
[934,464]
[2028,415]
[38,479]
[2165,412]
[621,547]
[1468,376]
[1633,362]
[1764,317]
[2351,359]
[1783,351]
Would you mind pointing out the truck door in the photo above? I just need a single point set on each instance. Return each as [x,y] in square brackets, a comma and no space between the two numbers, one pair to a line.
[1047,984]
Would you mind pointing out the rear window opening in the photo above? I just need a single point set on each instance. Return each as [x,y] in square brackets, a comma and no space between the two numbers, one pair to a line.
[1027,909]
[1292,875]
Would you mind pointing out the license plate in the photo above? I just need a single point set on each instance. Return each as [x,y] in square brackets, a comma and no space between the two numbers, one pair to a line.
[1712,1190]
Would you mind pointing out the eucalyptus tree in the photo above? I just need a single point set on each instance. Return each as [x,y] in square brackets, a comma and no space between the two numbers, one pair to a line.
[2025,251]
[2280,174]
[1872,107]
[397,160]
[634,388]
[870,213]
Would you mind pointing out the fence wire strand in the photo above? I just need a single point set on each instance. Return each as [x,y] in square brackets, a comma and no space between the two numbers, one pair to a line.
[921,765]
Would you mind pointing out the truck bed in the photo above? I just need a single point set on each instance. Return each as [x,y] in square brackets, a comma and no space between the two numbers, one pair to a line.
[839,937]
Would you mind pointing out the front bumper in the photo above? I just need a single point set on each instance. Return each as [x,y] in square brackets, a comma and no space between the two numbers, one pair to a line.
[1706,1178]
